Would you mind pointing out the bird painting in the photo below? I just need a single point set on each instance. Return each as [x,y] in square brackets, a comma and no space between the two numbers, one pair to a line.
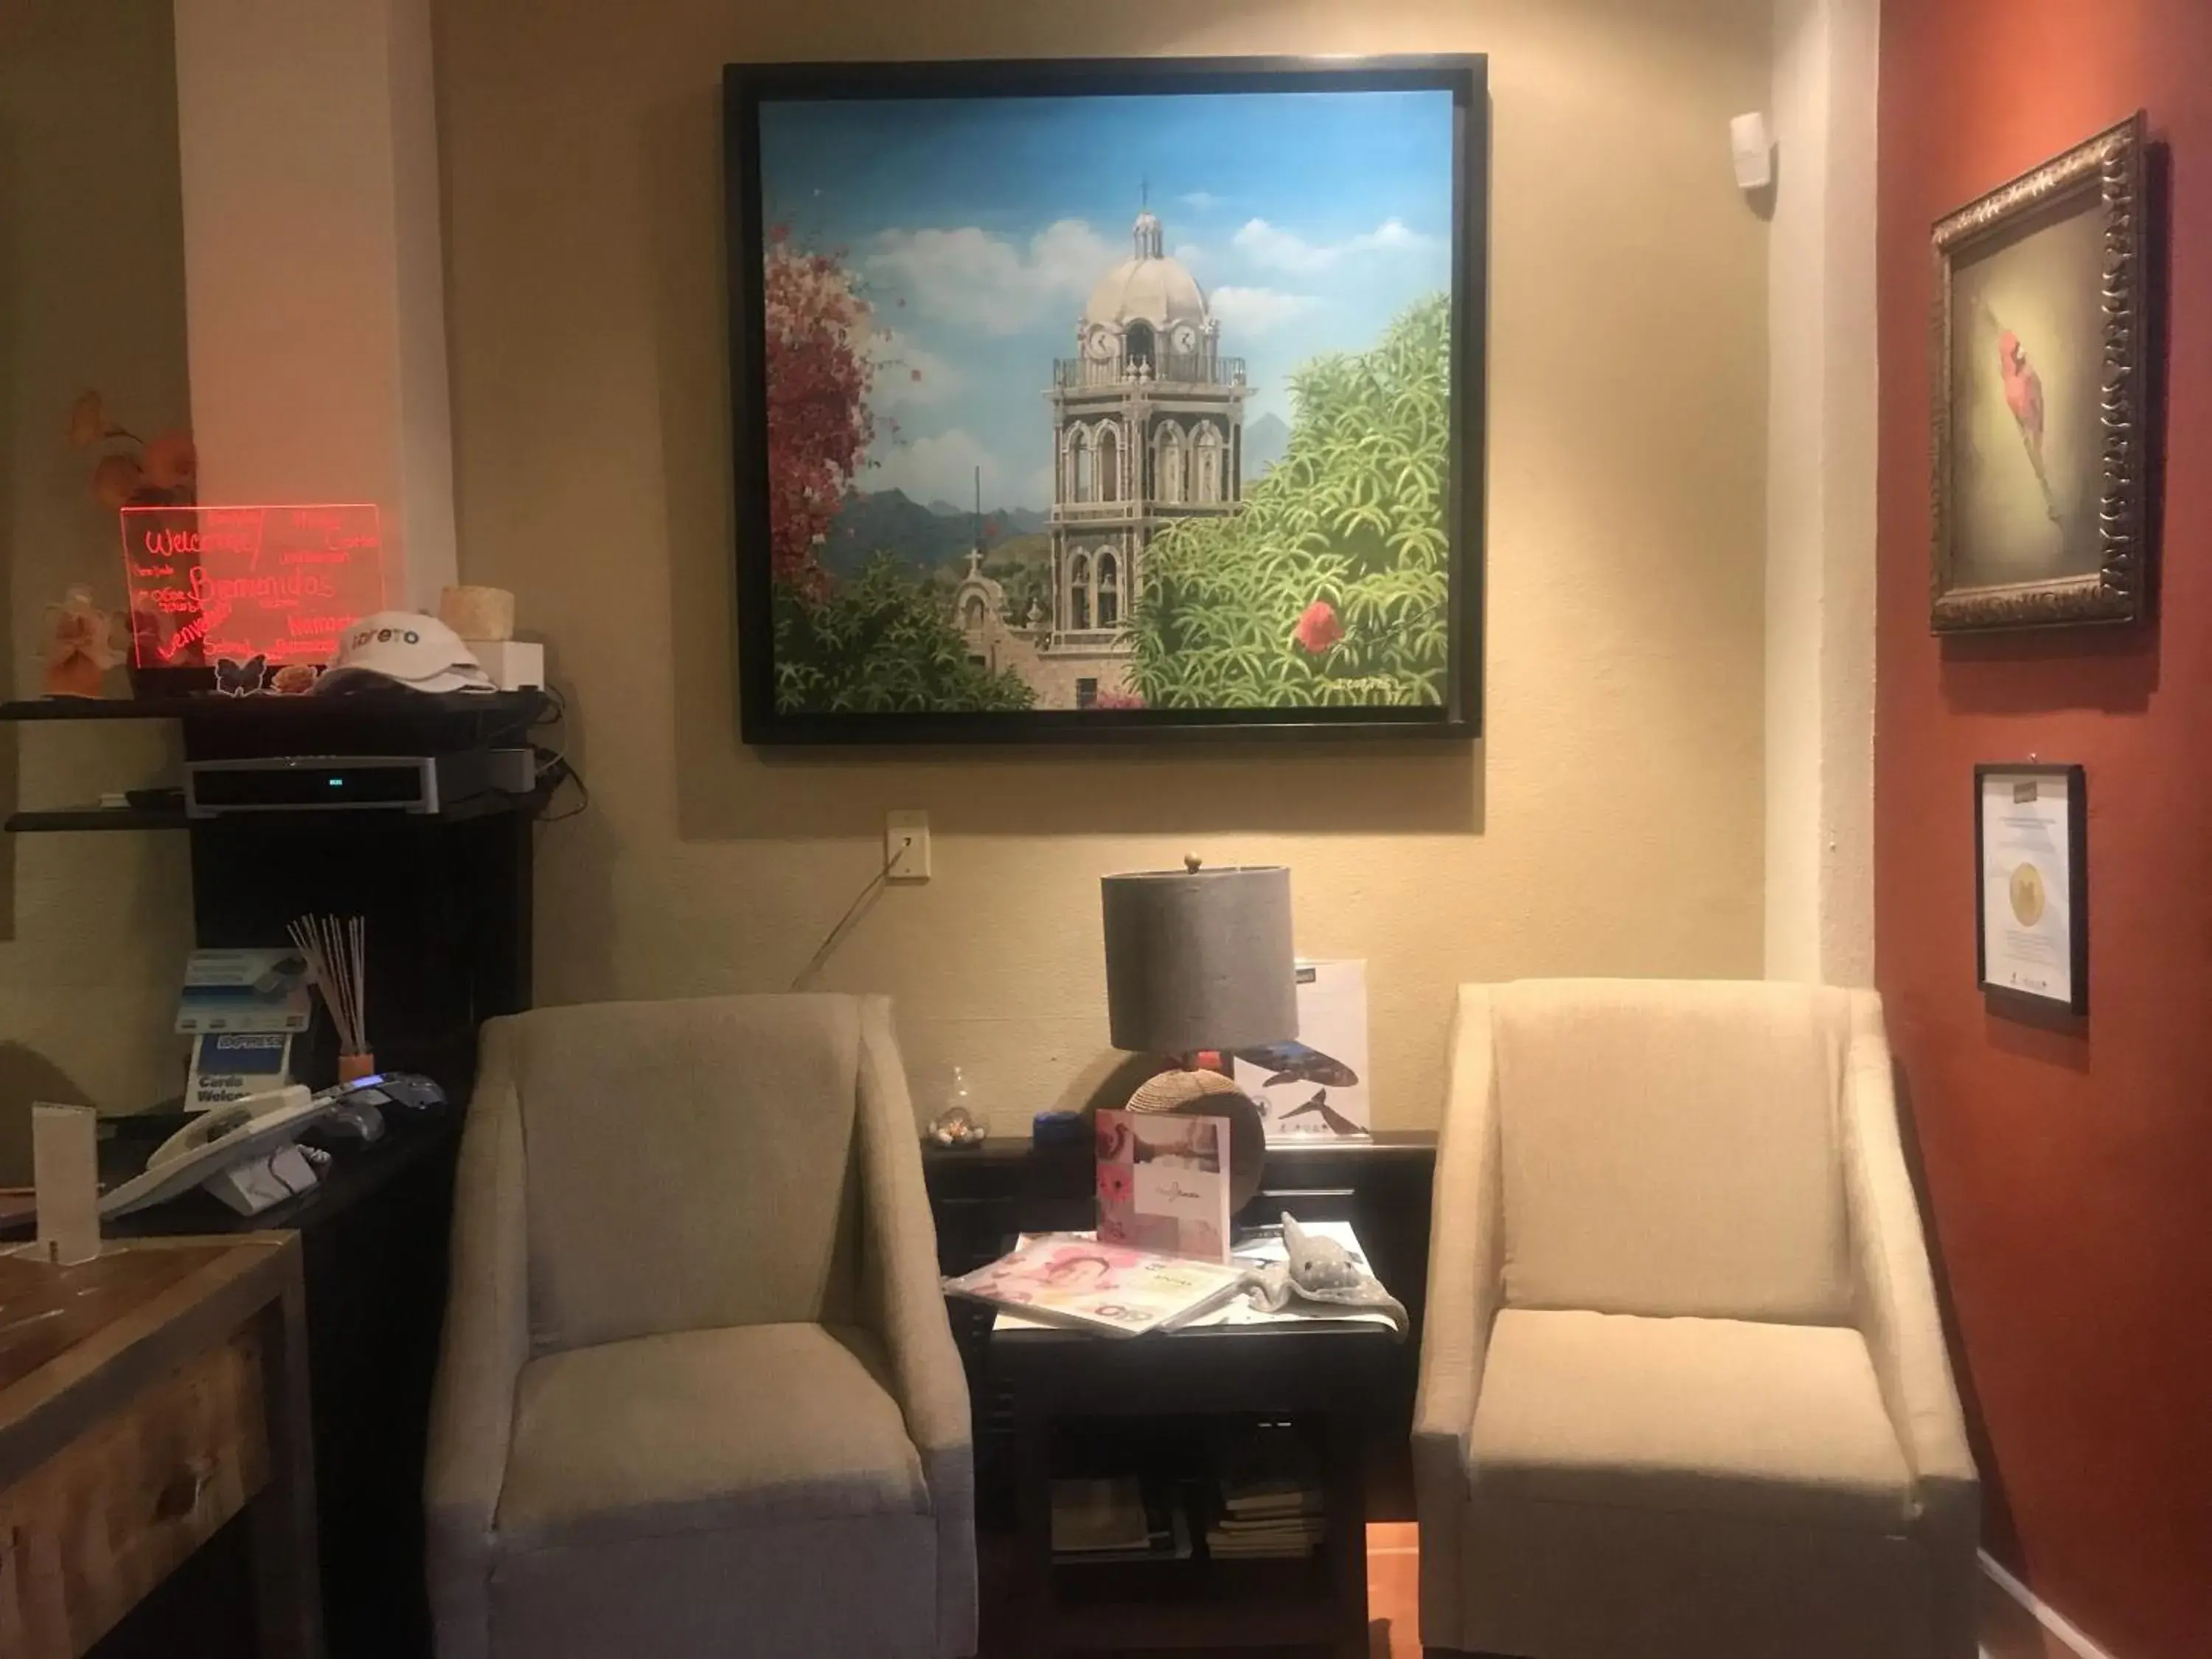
[2023,395]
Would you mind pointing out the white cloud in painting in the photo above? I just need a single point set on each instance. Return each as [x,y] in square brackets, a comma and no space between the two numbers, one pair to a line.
[941,467]
[1188,253]
[1391,235]
[1201,201]
[1255,310]
[905,375]
[987,283]
[1285,250]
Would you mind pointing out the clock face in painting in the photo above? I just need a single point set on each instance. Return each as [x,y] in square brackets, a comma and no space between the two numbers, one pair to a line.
[2027,895]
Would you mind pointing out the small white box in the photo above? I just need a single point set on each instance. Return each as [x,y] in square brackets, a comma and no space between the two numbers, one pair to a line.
[1751,145]
[513,665]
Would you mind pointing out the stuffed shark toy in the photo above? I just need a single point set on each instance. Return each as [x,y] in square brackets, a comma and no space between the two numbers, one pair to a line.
[1321,1271]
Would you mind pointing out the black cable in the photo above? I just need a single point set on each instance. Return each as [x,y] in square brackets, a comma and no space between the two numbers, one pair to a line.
[554,764]
[563,770]
[836,935]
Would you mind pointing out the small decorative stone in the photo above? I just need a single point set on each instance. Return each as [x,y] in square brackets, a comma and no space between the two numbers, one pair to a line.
[956,1126]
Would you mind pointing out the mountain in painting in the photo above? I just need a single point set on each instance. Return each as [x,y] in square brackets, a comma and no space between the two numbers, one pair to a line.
[1265,442]
[891,521]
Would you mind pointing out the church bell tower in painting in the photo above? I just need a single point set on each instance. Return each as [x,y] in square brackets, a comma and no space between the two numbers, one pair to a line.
[1148,422]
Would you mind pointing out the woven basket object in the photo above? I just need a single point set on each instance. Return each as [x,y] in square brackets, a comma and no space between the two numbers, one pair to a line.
[1209,1094]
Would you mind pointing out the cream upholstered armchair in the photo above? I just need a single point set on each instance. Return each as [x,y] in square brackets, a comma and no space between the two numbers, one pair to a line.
[698,1395]
[1683,1385]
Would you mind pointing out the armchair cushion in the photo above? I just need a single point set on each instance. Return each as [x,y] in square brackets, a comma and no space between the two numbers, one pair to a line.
[706,1430]
[690,1165]
[1772,1422]
[1671,1148]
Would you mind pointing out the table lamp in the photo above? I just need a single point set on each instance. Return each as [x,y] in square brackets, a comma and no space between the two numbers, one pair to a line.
[1199,960]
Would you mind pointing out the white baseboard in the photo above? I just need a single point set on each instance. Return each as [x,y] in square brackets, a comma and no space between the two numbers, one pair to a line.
[2050,1618]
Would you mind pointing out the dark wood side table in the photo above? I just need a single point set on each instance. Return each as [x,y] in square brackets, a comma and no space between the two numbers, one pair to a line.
[982,1196]
[1326,1372]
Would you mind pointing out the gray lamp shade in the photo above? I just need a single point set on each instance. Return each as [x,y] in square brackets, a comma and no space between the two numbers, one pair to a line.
[1199,958]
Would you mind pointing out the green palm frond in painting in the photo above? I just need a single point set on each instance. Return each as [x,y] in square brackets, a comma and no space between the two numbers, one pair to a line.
[1330,585]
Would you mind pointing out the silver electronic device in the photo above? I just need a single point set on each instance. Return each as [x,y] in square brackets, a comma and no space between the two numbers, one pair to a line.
[418,784]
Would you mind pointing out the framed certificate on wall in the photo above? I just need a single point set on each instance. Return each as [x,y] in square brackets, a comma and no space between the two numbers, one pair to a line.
[2031,896]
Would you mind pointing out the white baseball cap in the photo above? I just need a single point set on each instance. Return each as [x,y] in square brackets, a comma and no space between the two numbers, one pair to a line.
[405,649]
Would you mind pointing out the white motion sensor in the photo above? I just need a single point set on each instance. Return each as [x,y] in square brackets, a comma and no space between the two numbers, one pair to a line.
[1752,142]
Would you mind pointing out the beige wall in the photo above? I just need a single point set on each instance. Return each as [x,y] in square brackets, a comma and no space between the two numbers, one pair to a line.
[1609,822]
[1820,495]
[314,269]
[93,929]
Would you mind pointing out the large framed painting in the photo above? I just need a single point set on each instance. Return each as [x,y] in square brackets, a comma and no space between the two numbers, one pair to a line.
[2042,348]
[1079,400]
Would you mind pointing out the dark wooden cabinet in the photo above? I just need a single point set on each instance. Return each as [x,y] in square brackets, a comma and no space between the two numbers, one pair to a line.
[447,900]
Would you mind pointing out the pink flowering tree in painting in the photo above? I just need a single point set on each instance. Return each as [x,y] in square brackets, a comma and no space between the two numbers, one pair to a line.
[818,424]
[874,642]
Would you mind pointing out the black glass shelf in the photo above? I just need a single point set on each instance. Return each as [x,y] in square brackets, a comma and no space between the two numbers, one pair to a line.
[97,818]
[77,819]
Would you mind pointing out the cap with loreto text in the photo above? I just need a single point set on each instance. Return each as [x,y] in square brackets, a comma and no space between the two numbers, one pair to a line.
[405,649]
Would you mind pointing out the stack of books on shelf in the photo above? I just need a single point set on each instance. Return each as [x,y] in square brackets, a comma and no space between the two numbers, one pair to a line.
[1271,1501]
[1101,1521]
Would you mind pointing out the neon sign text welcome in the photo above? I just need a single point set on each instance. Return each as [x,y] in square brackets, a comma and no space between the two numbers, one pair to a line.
[279,582]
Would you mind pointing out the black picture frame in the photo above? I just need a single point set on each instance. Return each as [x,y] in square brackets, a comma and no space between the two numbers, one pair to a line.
[747,87]
[2077,885]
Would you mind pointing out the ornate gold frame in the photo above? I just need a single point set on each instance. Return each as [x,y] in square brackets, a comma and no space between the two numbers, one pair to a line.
[2110,168]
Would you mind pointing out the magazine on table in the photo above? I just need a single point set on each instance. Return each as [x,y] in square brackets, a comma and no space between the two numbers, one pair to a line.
[1064,1278]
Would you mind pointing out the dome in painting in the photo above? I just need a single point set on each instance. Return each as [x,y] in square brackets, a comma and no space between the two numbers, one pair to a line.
[1149,288]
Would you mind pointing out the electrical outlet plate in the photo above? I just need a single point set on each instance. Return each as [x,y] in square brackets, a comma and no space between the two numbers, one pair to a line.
[906,846]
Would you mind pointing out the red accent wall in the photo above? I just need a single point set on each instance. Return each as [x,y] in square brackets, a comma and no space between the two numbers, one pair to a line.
[2069,1169]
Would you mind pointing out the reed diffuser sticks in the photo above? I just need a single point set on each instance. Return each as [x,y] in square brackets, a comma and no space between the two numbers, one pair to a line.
[337,950]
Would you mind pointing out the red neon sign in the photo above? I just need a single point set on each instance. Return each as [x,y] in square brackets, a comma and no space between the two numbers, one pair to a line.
[278,582]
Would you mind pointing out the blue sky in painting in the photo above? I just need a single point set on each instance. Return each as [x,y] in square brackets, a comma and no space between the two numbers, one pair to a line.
[979,228]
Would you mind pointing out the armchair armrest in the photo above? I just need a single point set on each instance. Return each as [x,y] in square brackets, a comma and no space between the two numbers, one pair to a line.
[1466,1267]
[486,1344]
[1894,1297]
[905,1301]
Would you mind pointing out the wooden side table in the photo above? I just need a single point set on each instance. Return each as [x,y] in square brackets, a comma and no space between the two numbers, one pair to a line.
[1325,1371]
[373,1243]
[147,1397]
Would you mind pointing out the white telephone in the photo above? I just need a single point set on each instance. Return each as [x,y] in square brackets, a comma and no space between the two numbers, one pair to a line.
[243,1152]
